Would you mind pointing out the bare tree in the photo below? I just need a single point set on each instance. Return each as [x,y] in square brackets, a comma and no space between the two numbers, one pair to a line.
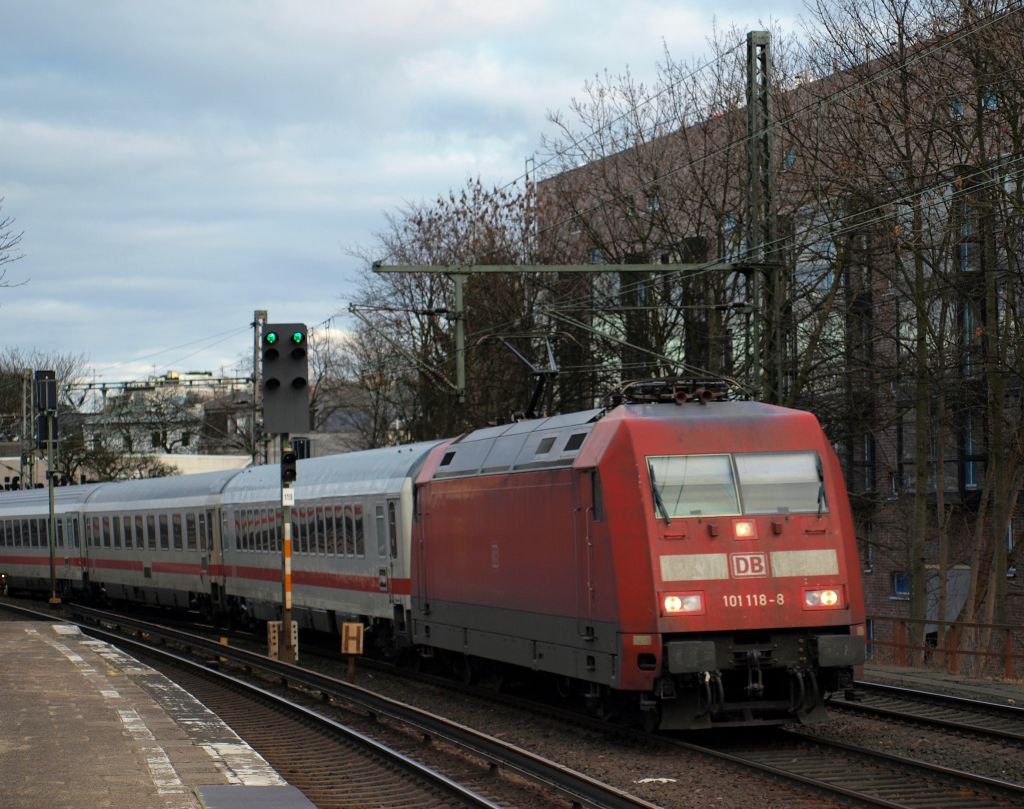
[10,240]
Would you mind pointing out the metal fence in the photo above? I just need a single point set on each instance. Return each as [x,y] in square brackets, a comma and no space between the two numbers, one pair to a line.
[978,650]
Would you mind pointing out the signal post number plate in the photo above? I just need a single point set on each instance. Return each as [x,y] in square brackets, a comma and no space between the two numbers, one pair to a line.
[754,600]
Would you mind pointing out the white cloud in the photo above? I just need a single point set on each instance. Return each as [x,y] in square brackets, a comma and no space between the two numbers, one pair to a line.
[176,166]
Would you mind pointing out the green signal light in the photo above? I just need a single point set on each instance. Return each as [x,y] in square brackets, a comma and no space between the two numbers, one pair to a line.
[298,337]
[271,337]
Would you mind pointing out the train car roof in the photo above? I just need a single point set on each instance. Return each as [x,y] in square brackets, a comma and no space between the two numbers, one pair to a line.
[36,501]
[372,471]
[130,493]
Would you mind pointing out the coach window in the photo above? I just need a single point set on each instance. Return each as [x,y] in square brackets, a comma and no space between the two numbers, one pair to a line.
[278,530]
[357,510]
[33,534]
[382,540]
[298,531]
[321,531]
[393,527]
[116,526]
[306,536]
[201,530]
[126,520]
[350,532]
[140,531]
[332,530]
[73,527]
[268,530]
[179,541]
[190,531]
[59,532]
[165,534]
[339,529]
[310,529]
[310,526]
[16,530]
[97,537]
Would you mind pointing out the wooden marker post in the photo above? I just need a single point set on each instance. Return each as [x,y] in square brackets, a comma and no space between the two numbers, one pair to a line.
[351,644]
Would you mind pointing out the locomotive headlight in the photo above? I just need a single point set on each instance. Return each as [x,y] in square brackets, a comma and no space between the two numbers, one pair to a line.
[680,603]
[745,529]
[822,599]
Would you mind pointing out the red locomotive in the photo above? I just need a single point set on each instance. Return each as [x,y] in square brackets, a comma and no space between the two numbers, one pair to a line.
[696,559]
[693,559]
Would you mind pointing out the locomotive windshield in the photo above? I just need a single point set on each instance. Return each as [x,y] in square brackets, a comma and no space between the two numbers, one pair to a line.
[743,483]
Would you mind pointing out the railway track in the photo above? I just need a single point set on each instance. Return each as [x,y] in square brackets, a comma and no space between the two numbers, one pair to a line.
[835,774]
[980,717]
[464,764]
[872,778]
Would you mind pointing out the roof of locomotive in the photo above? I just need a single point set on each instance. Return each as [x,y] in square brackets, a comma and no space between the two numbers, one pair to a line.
[35,501]
[728,411]
[373,471]
[570,438]
[533,444]
[693,427]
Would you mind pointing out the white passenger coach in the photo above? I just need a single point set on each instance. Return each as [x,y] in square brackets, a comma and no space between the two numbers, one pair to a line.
[212,541]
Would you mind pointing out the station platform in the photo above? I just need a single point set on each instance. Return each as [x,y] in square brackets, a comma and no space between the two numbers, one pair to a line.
[1007,692]
[83,724]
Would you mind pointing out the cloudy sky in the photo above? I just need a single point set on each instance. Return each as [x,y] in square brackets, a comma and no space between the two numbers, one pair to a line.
[175,166]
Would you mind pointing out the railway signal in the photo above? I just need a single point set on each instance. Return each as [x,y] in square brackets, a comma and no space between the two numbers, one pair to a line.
[285,373]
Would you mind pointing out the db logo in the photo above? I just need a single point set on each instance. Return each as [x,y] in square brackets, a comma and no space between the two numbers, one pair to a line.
[748,565]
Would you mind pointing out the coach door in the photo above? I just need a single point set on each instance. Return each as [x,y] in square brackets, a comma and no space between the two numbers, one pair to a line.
[212,553]
[584,489]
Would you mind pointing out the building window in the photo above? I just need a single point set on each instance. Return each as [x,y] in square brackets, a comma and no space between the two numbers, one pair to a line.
[901,586]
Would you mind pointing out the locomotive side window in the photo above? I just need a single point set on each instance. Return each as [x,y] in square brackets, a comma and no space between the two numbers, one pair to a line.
[694,485]
[781,482]
[595,496]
